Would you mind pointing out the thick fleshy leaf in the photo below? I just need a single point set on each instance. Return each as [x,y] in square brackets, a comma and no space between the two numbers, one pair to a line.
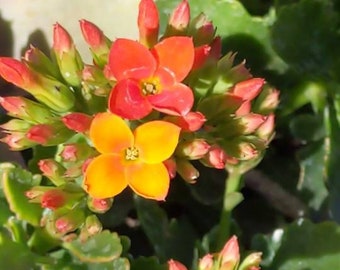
[156,140]
[130,59]
[176,54]
[127,101]
[176,100]
[149,180]
[104,177]
[110,134]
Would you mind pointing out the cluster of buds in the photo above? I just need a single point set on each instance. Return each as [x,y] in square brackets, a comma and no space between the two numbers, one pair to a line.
[227,259]
[184,101]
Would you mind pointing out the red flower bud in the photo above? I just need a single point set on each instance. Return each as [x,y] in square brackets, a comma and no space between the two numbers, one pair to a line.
[248,89]
[179,19]
[230,254]
[202,53]
[244,109]
[99,205]
[78,122]
[170,165]
[192,121]
[53,199]
[216,48]
[215,158]
[52,170]
[92,34]
[194,149]
[175,265]
[62,41]
[40,133]
[148,23]
[16,72]
[266,130]
[26,109]
[17,141]
[206,263]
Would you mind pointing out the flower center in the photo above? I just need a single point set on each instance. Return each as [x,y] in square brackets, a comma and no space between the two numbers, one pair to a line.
[149,89]
[131,153]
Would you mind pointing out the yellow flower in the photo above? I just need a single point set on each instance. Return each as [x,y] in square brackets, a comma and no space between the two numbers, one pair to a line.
[133,159]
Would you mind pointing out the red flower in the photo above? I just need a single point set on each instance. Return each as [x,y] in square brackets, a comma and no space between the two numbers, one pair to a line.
[151,79]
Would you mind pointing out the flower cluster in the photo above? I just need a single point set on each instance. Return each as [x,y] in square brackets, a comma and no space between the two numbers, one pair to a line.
[138,114]
[227,259]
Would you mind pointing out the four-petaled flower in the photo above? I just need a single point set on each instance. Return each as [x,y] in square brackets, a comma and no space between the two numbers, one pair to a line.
[151,79]
[129,158]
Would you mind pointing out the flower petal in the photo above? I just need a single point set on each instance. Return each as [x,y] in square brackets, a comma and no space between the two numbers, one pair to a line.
[110,134]
[156,140]
[149,180]
[105,177]
[127,101]
[176,54]
[130,59]
[176,100]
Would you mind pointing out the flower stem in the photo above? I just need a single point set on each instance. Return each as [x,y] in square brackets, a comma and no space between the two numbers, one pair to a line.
[230,200]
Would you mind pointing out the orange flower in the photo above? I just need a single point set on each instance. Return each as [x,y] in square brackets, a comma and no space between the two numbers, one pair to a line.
[133,159]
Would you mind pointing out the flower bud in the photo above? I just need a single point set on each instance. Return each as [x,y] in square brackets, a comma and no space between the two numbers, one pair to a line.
[266,130]
[70,221]
[216,48]
[202,30]
[17,141]
[98,42]
[16,72]
[26,109]
[52,170]
[93,225]
[76,152]
[15,125]
[187,171]
[49,134]
[202,53]
[45,89]
[193,149]
[244,109]
[242,125]
[79,122]
[68,58]
[39,62]
[206,263]
[171,166]
[179,20]
[175,265]
[215,158]
[99,206]
[245,147]
[251,262]
[248,89]
[230,254]
[190,122]
[267,101]
[53,199]
[148,23]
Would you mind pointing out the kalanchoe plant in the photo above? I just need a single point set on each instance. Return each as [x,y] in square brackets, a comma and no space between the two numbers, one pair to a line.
[141,112]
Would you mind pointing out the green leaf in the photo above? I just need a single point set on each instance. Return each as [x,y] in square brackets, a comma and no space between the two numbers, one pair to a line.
[15,182]
[5,212]
[307,127]
[102,247]
[15,255]
[305,35]
[332,171]
[301,246]
[147,263]
[312,176]
[170,239]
